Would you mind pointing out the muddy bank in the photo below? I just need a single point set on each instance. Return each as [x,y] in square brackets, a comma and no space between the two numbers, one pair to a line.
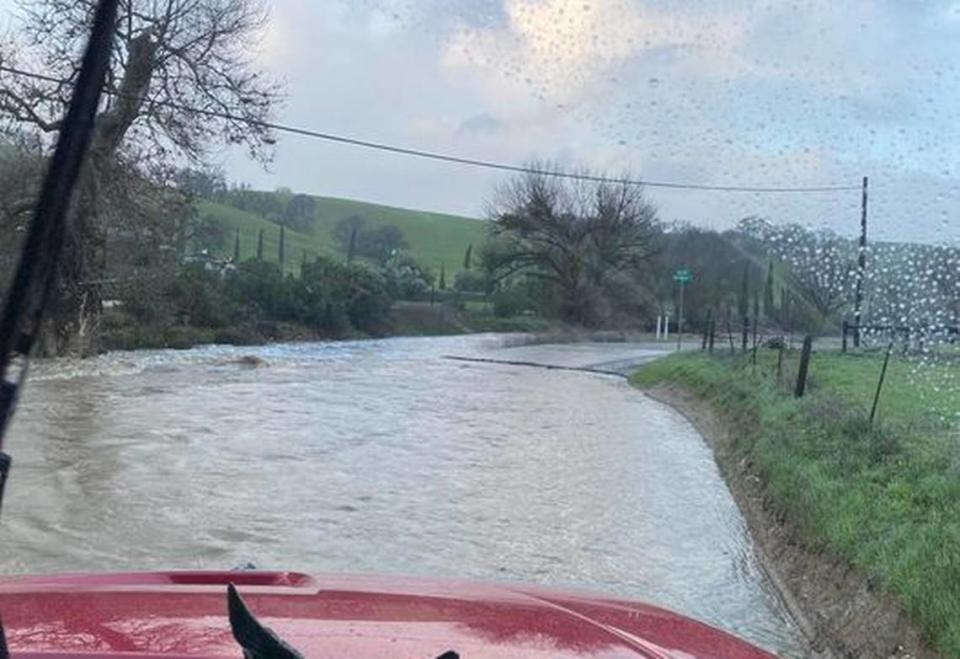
[840,610]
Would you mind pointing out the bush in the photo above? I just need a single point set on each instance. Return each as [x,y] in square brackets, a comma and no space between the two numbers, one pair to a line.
[199,297]
[184,337]
[406,279]
[535,296]
[260,290]
[774,343]
[144,299]
[323,296]
[369,305]
[513,301]
[471,281]
[190,304]
[243,335]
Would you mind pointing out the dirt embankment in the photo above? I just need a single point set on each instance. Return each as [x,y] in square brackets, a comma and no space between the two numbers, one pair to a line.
[839,609]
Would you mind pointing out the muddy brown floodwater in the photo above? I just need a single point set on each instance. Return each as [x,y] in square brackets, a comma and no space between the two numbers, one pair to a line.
[383,456]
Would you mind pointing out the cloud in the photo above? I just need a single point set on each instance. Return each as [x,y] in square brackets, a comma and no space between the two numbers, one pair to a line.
[757,94]
[480,123]
[561,48]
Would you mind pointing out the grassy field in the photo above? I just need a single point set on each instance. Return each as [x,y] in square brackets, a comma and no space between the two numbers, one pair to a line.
[434,238]
[886,498]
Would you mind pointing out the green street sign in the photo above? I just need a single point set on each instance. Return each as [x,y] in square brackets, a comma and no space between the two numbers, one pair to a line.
[683,276]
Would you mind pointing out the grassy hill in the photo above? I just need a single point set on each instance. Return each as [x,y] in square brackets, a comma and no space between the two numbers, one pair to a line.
[433,238]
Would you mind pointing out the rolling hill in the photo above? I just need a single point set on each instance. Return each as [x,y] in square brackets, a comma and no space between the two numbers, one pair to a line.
[433,238]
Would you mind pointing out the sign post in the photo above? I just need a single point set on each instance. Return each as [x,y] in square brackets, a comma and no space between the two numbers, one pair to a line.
[682,277]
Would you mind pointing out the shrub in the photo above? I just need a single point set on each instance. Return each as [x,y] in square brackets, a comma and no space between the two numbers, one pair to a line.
[512,301]
[243,335]
[369,304]
[259,288]
[323,296]
[471,281]
[406,279]
[199,298]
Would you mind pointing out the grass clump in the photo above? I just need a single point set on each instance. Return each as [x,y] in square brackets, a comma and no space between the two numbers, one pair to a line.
[885,497]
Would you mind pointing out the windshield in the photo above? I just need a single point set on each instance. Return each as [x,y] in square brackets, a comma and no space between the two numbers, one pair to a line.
[653,299]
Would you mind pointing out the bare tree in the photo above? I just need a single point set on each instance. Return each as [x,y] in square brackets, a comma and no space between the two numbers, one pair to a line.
[181,79]
[572,232]
[821,267]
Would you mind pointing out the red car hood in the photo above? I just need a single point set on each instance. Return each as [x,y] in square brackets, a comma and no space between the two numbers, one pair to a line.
[344,617]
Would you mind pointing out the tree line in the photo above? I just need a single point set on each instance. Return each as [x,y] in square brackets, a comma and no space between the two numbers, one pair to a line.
[596,253]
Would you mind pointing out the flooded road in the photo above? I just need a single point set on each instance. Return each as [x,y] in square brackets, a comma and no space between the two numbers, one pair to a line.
[382,456]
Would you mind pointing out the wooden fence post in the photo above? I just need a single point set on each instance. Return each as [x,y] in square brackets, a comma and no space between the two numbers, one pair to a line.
[883,375]
[846,327]
[804,366]
[783,345]
[706,329]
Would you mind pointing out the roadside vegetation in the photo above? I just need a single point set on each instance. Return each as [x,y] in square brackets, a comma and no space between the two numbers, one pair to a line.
[552,251]
[885,497]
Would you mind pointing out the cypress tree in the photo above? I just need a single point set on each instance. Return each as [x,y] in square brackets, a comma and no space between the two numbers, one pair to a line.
[352,246]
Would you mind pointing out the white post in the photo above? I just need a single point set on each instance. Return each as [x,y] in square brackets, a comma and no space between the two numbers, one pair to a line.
[659,325]
[666,327]
[680,319]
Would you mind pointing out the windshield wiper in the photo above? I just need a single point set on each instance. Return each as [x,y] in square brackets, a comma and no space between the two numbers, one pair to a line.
[257,641]
[260,642]
[36,275]
[4,652]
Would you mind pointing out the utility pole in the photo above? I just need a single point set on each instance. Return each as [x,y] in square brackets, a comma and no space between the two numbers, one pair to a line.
[861,268]
[682,277]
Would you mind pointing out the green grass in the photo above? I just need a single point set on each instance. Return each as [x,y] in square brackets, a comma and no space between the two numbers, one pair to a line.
[887,498]
[434,238]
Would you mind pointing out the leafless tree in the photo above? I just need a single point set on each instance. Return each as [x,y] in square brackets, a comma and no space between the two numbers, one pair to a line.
[572,232]
[182,78]
[821,266]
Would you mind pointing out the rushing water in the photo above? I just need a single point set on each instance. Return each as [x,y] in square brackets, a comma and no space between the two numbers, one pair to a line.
[382,456]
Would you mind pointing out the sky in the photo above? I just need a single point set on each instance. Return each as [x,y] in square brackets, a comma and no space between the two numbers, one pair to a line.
[774,93]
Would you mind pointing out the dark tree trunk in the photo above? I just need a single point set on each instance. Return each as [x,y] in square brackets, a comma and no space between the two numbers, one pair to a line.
[79,304]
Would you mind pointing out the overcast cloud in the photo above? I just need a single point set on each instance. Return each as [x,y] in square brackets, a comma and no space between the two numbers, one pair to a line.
[741,93]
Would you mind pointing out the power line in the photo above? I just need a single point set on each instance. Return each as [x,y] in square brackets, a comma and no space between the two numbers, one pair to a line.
[444,157]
